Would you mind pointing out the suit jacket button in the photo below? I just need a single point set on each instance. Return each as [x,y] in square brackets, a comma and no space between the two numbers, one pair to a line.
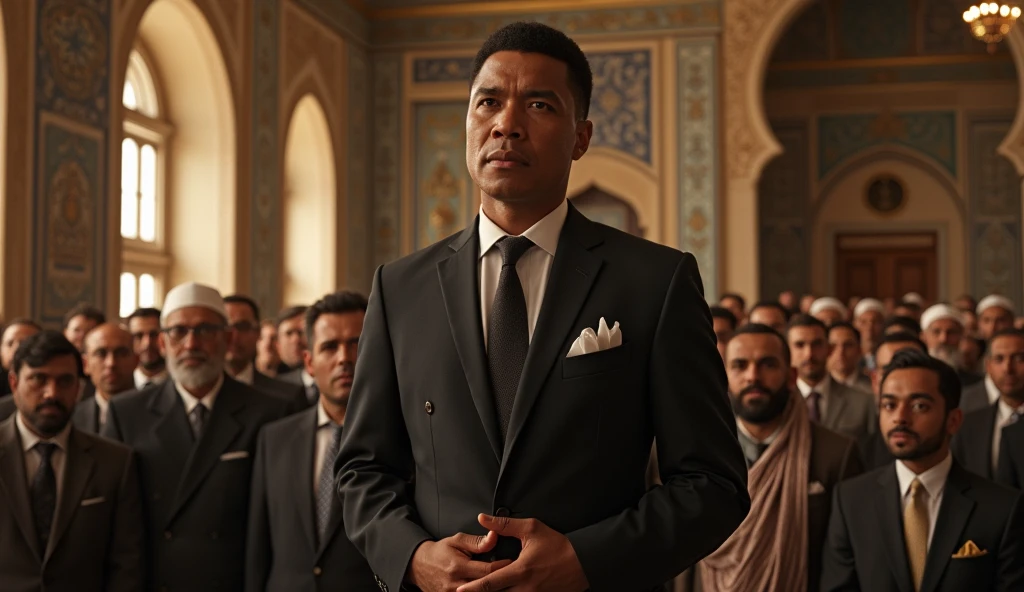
[429,408]
[168,536]
[317,571]
[503,513]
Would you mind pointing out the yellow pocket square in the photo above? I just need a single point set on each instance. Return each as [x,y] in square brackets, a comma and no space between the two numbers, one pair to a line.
[969,550]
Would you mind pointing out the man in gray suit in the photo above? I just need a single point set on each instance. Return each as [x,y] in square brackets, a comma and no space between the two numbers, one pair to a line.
[296,538]
[194,435]
[518,373]
[110,364]
[838,407]
[845,362]
[70,508]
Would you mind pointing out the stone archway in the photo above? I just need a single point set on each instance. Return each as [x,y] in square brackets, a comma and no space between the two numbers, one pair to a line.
[751,30]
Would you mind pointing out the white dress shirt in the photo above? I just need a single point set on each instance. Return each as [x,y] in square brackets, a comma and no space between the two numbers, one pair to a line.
[247,375]
[207,401]
[533,267]
[324,423]
[102,405]
[991,390]
[1003,413]
[141,379]
[308,383]
[823,388]
[934,482]
[32,461]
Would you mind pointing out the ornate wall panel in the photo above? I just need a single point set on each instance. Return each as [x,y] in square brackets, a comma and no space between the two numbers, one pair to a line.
[930,132]
[357,221]
[442,191]
[266,215]
[785,201]
[72,109]
[621,103]
[449,69]
[387,142]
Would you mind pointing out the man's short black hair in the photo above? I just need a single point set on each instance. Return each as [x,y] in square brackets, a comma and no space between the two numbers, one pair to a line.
[525,37]
[734,296]
[901,337]
[335,303]
[806,320]
[1011,332]
[85,310]
[719,312]
[290,313]
[770,304]
[21,321]
[844,325]
[144,313]
[42,347]
[240,299]
[949,381]
[905,323]
[759,329]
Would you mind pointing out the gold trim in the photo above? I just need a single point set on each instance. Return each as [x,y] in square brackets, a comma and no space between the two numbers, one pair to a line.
[867,198]
[890,62]
[504,7]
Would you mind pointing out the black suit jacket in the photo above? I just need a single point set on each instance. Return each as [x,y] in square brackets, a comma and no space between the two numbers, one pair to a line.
[874,451]
[283,553]
[972,445]
[974,397]
[96,542]
[866,550]
[581,429]
[86,416]
[196,493]
[7,407]
[1011,456]
[294,395]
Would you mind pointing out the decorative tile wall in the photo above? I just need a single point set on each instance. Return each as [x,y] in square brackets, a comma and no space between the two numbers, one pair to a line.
[931,132]
[785,199]
[442,194]
[265,211]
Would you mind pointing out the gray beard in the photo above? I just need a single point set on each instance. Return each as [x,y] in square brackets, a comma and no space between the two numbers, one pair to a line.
[193,378]
[947,354]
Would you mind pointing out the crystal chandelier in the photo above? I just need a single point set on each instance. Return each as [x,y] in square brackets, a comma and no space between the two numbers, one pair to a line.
[990,22]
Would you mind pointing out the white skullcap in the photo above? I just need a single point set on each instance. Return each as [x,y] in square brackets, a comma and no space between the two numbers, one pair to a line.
[913,297]
[995,300]
[939,312]
[192,294]
[827,303]
[868,305]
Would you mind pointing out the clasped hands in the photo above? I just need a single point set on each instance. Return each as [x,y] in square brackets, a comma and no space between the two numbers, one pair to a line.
[547,560]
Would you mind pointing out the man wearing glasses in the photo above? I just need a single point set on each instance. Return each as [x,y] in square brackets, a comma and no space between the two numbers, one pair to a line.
[194,437]
[110,364]
[244,320]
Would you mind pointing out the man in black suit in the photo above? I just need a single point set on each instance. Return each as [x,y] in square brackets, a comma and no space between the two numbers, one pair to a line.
[1011,456]
[14,333]
[296,537]
[70,508]
[873,447]
[144,325]
[978,443]
[109,363]
[535,434]
[7,407]
[244,320]
[194,436]
[923,523]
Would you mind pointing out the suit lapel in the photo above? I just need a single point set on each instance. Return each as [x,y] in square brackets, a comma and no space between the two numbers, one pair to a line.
[890,521]
[303,447]
[14,482]
[220,431]
[460,288]
[572,274]
[954,511]
[836,404]
[173,432]
[984,443]
[78,467]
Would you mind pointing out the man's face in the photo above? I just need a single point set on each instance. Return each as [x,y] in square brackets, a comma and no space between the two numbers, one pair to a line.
[522,132]
[769,315]
[810,351]
[869,324]
[733,305]
[759,380]
[110,359]
[77,328]
[266,348]
[10,341]
[970,353]
[806,302]
[146,343]
[882,359]
[846,353]
[943,332]
[332,360]
[195,340]
[913,417]
[242,321]
[964,304]
[829,316]
[291,336]
[1005,365]
[46,395]
[993,320]
[723,332]
[970,322]
[788,300]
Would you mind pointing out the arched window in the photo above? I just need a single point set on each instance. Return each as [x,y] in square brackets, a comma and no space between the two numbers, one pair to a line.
[145,259]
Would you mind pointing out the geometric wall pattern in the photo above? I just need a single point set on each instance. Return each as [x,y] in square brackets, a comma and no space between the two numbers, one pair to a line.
[784,202]
[265,210]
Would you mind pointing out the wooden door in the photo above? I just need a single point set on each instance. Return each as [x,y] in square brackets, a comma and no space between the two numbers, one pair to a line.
[886,265]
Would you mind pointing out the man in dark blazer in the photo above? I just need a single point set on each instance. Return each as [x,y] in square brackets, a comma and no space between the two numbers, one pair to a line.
[70,508]
[873,448]
[110,363]
[1011,456]
[296,537]
[923,523]
[536,433]
[194,435]
[978,396]
[7,406]
[977,445]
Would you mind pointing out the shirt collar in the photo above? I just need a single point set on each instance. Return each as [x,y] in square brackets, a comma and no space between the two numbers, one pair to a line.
[307,379]
[247,376]
[991,390]
[102,402]
[29,438]
[1004,412]
[141,379]
[767,441]
[822,389]
[322,419]
[207,401]
[544,233]
[934,479]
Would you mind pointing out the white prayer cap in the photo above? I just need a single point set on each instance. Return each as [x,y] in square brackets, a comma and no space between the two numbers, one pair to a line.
[192,294]
[995,300]
[939,312]
[913,297]
[827,303]
[869,305]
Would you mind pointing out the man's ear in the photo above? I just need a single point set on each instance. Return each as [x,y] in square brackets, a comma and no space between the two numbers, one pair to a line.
[584,132]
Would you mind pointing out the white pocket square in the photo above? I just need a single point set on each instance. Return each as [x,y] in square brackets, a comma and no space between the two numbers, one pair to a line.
[590,342]
[92,501]
[815,488]
[234,455]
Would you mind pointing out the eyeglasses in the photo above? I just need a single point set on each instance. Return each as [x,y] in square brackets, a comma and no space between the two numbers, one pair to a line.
[204,331]
[243,326]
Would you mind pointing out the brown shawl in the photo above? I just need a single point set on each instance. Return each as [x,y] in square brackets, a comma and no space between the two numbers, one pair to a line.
[768,552]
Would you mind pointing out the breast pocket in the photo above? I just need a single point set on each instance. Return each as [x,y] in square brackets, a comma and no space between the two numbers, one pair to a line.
[600,362]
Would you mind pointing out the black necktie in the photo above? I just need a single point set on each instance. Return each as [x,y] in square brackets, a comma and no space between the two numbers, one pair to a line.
[508,330]
[44,493]
[198,420]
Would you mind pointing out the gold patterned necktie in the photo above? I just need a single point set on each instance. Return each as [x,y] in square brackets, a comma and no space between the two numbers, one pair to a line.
[915,531]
